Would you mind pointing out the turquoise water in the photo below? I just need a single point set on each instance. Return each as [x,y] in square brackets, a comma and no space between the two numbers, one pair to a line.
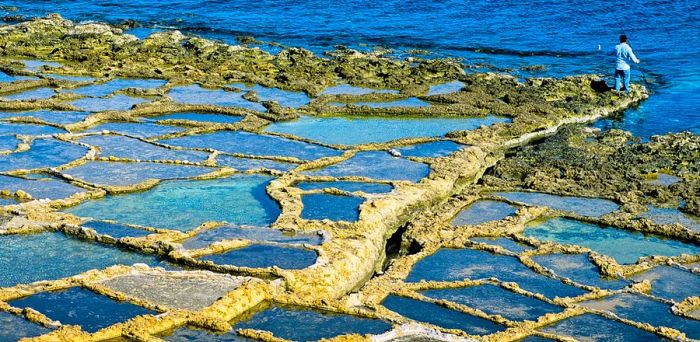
[369,188]
[202,117]
[671,283]
[111,173]
[506,243]
[139,130]
[39,188]
[459,264]
[483,211]
[623,245]
[12,327]
[346,89]
[495,300]
[578,268]
[29,258]
[331,207]
[440,316]
[42,153]
[239,199]
[253,144]
[363,130]
[115,230]
[285,98]
[125,147]
[579,205]
[107,88]
[259,234]
[115,102]
[81,307]
[194,94]
[671,216]
[247,164]
[433,149]
[378,165]
[261,256]
[590,327]
[34,94]
[50,116]
[646,310]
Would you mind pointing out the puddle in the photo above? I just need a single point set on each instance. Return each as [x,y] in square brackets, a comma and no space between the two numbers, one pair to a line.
[409,102]
[346,89]
[180,290]
[671,216]
[39,188]
[7,128]
[459,264]
[261,256]
[259,234]
[98,104]
[664,179]
[34,94]
[646,310]
[331,207]
[440,316]
[118,173]
[253,144]
[13,328]
[495,300]
[483,211]
[671,283]
[200,117]
[583,206]
[36,65]
[107,88]
[285,98]
[622,245]
[115,230]
[591,327]
[29,258]
[247,164]
[42,154]
[349,130]
[368,188]
[51,116]
[125,147]
[139,130]
[445,88]
[433,149]
[78,306]
[377,165]
[240,199]
[578,268]
[194,94]
[506,243]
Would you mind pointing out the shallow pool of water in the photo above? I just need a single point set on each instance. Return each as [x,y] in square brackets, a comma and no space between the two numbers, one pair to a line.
[671,216]
[253,144]
[331,207]
[646,310]
[13,328]
[46,187]
[118,173]
[33,94]
[259,234]
[505,243]
[624,246]
[440,316]
[240,199]
[459,264]
[99,104]
[671,283]
[346,89]
[36,65]
[43,153]
[4,77]
[195,94]
[579,205]
[140,130]
[107,88]
[591,327]
[115,230]
[377,165]
[578,268]
[8,143]
[247,164]
[261,256]
[664,179]
[445,88]
[7,128]
[72,78]
[285,98]
[349,130]
[409,102]
[369,188]
[495,300]
[483,211]
[200,117]
[433,149]
[82,307]
[29,258]
[50,116]
[135,149]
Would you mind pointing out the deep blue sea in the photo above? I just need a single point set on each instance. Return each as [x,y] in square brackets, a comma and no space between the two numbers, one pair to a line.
[563,35]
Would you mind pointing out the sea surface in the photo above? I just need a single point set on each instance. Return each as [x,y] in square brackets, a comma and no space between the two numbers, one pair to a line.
[562,35]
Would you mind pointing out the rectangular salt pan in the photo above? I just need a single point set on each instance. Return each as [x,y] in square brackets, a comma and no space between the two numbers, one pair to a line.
[579,205]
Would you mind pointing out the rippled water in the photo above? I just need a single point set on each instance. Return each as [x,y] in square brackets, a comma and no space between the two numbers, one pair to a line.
[561,35]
